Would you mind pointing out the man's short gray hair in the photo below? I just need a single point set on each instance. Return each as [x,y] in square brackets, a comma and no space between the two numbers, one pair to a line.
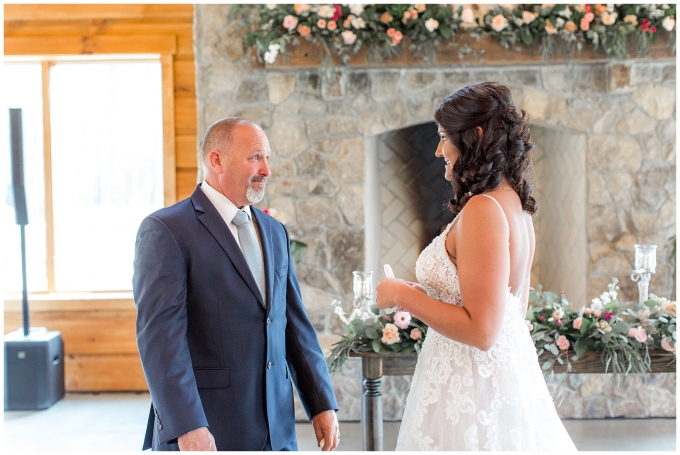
[219,137]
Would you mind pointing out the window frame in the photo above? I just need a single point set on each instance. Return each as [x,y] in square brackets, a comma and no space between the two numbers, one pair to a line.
[47,52]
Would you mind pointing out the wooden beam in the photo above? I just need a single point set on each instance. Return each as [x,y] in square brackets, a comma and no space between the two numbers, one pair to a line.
[87,45]
[169,180]
[47,170]
[22,12]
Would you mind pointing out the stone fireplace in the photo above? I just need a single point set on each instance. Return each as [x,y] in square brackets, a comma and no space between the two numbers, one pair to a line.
[344,173]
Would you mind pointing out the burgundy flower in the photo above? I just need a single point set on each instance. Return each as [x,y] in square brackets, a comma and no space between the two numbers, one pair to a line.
[338,12]
[608,315]
[542,318]
[645,25]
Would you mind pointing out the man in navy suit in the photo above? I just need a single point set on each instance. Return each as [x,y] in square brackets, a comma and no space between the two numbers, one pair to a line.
[221,327]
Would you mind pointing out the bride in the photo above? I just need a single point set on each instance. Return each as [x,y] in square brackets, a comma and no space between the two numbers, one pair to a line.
[478,384]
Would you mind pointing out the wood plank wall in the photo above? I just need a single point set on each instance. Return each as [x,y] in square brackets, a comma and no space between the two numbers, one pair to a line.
[87,21]
[99,332]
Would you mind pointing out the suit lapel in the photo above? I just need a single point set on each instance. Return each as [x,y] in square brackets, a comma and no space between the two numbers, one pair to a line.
[214,223]
[264,228]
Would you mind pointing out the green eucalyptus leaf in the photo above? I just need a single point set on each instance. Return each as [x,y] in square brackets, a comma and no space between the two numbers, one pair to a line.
[372,333]
[621,327]
[547,365]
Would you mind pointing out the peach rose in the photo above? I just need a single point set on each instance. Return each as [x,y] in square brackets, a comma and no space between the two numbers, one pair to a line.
[609,18]
[549,28]
[386,18]
[562,343]
[499,22]
[332,25]
[420,7]
[468,16]
[641,335]
[666,344]
[414,14]
[321,23]
[577,323]
[416,334]
[390,334]
[597,313]
[585,24]
[588,311]
[600,9]
[304,31]
[405,17]
[300,8]
[570,27]
[528,17]
[631,19]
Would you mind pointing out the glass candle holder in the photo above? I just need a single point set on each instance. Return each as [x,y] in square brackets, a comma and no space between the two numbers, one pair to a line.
[362,285]
[645,259]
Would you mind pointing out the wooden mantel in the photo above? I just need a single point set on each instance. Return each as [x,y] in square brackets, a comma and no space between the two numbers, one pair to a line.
[483,51]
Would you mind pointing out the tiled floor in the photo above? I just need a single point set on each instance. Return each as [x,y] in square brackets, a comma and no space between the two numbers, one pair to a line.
[116,422]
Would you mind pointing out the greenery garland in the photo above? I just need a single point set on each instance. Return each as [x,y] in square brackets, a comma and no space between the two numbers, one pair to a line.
[344,30]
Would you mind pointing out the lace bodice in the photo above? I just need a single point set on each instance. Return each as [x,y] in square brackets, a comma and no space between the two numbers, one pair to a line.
[463,398]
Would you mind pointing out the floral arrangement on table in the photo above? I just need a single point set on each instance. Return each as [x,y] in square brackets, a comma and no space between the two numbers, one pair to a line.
[623,336]
[297,247]
[373,330]
[344,29]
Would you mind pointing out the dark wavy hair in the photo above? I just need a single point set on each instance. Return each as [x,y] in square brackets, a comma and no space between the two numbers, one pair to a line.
[503,149]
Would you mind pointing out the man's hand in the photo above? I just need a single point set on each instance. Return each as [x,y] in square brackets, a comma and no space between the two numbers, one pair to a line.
[326,428]
[198,439]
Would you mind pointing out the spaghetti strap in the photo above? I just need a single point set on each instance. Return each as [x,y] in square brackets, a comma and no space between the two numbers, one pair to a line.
[502,211]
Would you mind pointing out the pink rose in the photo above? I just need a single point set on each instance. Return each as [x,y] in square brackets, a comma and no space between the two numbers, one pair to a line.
[390,32]
[416,334]
[665,343]
[396,39]
[597,313]
[332,25]
[290,22]
[349,37]
[390,334]
[632,332]
[641,335]
[530,326]
[321,23]
[577,322]
[402,319]
[562,343]
[499,22]
[588,311]
[589,16]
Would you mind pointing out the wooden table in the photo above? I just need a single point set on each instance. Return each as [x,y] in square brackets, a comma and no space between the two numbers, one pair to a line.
[374,366]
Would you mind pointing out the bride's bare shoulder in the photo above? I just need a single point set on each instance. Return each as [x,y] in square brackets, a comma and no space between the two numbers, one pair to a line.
[482,213]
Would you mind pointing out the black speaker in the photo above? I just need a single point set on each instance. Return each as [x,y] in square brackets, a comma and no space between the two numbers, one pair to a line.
[34,369]
[16,136]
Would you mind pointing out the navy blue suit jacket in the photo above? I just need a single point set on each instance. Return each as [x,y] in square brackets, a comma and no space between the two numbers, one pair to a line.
[214,353]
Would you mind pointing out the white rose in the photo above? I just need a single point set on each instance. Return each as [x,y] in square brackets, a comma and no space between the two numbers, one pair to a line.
[558,314]
[358,22]
[559,22]
[668,23]
[566,12]
[271,6]
[356,9]
[431,25]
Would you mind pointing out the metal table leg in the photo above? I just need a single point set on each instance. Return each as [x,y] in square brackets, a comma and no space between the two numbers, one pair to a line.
[371,404]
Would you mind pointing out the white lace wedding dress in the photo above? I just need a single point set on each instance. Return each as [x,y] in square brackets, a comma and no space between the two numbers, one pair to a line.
[463,398]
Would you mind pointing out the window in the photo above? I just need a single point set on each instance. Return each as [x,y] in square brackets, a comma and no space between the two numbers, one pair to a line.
[93,167]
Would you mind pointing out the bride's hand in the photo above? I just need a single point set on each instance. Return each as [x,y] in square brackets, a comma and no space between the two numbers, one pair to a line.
[387,291]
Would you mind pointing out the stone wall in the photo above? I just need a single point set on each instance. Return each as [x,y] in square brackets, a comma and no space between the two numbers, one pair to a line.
[625,109]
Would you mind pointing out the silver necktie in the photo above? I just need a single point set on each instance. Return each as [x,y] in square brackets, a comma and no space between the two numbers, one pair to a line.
[251,249]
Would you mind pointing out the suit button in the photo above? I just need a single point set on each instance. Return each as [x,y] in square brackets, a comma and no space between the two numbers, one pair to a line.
[269,365]
[269,321]
[160,427]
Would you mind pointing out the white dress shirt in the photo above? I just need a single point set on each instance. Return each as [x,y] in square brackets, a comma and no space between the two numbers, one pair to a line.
[227,211]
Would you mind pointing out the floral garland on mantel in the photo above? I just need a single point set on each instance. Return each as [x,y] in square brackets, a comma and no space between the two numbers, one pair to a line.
[345,29]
